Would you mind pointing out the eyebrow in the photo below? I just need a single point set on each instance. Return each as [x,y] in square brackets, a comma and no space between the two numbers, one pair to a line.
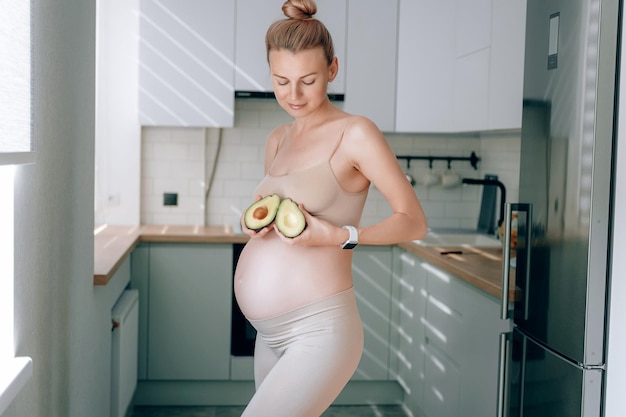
[304,76]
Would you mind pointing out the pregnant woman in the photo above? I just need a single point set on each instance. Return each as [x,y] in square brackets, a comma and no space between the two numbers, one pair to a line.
[298,292]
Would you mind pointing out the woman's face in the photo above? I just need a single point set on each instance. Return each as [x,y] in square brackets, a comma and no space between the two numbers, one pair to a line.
[301,79]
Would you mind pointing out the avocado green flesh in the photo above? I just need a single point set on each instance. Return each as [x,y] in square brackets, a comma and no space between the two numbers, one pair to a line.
[262,213]
[289,219]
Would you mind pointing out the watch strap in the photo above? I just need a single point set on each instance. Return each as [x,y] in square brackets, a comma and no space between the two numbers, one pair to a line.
[353,239]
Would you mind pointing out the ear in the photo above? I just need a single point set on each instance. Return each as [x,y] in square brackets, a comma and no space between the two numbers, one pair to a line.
[333,69]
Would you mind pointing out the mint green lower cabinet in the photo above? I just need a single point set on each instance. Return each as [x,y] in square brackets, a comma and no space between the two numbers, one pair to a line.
[408,331]
[371,271]
[189,312]
[446,340]
[139,279]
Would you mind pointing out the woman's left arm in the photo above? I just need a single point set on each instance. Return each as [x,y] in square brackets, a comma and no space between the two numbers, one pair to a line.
[373,158]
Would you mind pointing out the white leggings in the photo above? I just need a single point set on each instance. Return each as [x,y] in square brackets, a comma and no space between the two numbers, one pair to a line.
[304,358]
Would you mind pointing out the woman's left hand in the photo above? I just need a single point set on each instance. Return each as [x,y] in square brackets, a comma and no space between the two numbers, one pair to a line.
[316,233]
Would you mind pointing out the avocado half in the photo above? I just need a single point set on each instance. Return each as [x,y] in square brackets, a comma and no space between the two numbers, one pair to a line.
[262,213]
[289,219]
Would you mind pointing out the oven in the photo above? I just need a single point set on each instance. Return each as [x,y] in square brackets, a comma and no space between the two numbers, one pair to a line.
[242,334]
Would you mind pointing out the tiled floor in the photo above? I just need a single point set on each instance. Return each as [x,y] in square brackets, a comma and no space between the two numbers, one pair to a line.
[335,411]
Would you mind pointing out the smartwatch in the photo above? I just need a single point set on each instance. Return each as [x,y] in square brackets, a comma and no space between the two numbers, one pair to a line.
[353,239]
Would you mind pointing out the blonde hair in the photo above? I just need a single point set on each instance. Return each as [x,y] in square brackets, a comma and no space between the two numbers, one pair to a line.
[300,30]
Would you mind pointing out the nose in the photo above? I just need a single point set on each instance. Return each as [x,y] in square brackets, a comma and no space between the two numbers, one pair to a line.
[294,91]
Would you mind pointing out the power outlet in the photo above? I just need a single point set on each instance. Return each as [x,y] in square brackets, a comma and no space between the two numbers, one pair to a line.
[170,199]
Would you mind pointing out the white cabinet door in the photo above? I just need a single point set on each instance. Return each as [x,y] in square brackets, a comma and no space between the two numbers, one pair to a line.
[189,311]
[186,74]
[371,271]
[408,331]
[446,313]
[471,92]
[253,19]
[140,280]
[482,328]
[460,65]
[442,385]
[252,71]
[473,26]
[471,80]
[426,66]
[371,59]
[507,64]
[445,335]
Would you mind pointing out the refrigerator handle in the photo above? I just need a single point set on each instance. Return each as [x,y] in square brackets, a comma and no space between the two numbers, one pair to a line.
[506,261]
[506,255]
[529,223]
[503,374]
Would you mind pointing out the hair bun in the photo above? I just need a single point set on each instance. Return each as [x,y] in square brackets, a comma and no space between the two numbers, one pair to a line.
[299,9]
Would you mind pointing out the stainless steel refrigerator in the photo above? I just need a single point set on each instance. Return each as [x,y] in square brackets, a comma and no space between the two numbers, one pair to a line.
[553,362]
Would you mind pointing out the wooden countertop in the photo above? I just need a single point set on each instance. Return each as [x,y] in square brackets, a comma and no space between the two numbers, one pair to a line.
[481,267]
[112,244]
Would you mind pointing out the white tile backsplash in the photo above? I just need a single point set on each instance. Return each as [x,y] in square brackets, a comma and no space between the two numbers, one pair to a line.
[181,160]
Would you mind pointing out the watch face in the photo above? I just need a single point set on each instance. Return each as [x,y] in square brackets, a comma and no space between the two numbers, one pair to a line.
[349,245]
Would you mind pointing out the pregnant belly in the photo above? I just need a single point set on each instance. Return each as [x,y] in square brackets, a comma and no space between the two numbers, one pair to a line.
[272,277]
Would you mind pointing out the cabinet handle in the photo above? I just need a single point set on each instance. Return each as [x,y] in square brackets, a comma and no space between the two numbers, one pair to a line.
[503,374]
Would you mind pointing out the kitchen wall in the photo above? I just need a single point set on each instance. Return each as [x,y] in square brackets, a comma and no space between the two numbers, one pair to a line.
[177,160]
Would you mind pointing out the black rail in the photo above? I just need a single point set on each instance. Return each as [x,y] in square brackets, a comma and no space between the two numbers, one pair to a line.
[473,159]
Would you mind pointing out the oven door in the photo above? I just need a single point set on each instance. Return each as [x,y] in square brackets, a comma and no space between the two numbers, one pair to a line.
[242,334]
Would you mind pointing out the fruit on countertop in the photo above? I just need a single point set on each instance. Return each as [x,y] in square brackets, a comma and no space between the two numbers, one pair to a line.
[290,219]
[262,213]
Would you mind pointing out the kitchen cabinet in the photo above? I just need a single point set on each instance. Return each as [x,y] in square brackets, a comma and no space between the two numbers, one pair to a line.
[185,323]
[506,66]
[255,16]
[408,330]
[426,65]
[371,61]
[473,26]
[489,65]
[460,65]
[140,275]
[448,366]
[371,271]
[186,63]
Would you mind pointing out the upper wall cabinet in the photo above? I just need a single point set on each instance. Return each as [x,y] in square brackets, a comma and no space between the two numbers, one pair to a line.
[186,75]
[473,26]
[460,65]
[370,66]
[426,43]
[507,64]
[253,19]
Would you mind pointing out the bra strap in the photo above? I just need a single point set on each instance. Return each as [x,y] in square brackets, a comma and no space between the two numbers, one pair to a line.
[336,146]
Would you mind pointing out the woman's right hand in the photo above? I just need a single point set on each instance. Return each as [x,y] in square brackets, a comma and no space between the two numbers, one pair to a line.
[255,233]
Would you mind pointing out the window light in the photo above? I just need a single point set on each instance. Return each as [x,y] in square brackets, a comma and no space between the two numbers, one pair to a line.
[16,145]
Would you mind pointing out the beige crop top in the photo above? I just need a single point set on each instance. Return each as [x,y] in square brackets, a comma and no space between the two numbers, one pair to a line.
[319,192]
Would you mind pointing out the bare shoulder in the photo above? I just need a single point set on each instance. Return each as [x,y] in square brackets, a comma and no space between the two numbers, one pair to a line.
[362,132]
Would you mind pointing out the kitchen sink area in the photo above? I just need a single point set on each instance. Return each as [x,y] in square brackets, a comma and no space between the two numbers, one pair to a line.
[459,239]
